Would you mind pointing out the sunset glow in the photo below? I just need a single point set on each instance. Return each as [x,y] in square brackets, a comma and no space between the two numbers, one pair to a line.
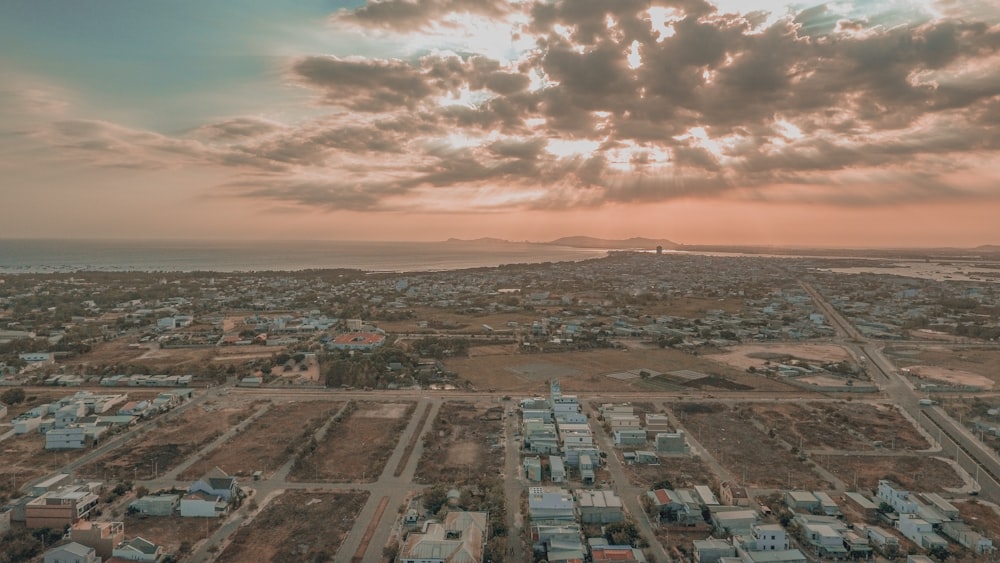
[717,122]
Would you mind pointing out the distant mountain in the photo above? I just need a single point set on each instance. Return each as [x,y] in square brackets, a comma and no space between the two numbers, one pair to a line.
[483,240]
[634,242]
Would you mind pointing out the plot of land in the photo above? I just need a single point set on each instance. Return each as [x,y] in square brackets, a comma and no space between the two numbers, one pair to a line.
[951,376]
[267,442]
[912,472]
[729,436]
[297,526]
[839,426]
[681,471]
[357,447]
[588,370]
[172,440]
[980,516]
[23,459]
[981,363]
[754,355]
[463,445]
[172,532]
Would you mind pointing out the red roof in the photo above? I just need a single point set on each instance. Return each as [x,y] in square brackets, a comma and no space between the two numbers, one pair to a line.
[359,338]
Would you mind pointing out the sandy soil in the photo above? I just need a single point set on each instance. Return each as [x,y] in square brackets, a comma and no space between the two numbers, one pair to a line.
[740,356]
[915,473]
[457,448]
[286,529]
[170,531]
[951,376]
[357,448]
[267,442]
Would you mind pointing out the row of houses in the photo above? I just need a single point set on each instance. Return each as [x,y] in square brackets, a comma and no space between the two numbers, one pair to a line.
[555,427]
[556,517]
[92,542]
[925,518]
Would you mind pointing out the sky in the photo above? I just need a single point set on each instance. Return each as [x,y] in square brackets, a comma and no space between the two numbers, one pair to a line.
[857,124]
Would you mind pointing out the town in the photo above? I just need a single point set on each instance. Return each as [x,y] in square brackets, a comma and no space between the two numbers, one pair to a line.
[645,406]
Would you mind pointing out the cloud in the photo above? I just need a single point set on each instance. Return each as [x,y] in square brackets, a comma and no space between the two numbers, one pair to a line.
[614,101]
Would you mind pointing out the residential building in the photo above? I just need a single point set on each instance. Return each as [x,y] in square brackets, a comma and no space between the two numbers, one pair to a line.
[72,438]
[630,437]
[155,505]
[557,470]
[599,507]
[919,531]
[769,537]
[60,508]
[706,495]
[71,553]
[801,501]
[139,549]
[217,483]
[533,469]
[712,550]
[868,508]
[901,501]
[672,443]
[586,470]
[461,537]
[203,505]
[827,505]
[734,522]
[102,536]
[553,505]
[734,495]
[360,341]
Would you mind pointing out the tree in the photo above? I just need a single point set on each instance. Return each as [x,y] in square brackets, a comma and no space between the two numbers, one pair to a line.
[621,533]
[435,498]
[13,396]
[141,491]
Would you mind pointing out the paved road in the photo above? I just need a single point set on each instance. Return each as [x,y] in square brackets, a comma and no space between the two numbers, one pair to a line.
[513,483]
[955,440]
[628,492]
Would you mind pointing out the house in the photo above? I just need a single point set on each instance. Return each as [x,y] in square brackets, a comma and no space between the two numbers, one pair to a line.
[71,553]
[599,507]
[533,468]
[219,484]
[769,537]
[72,438]
[919,531]
[553,505]
[712,550]
[863,504]
[733,495]
[801,501]
[102,536]
[734,522]
[60,508]
[647,457]
[360,341]
[672,443]
[139,549]
[827,505]
[601,552]
[200,504]
[706,496]
[901,501]
[155,505]
[557,470]
[630,437]
[786,556]
[461,537]
[558,541]
[586,470]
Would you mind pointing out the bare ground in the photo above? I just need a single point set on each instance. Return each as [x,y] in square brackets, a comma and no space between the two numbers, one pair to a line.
[458,448]
[267,442]
[356,448]
[297,526]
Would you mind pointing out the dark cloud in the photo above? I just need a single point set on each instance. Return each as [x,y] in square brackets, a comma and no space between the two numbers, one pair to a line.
[413,15]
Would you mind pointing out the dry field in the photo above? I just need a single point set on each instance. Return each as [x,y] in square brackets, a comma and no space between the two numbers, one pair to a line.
[23,459]
[981,363]
[838,426]
[692,307]
[587,371]
[170,531]
[173,440]
[681,471]
[730,437]
[457,449]
[745,356]
[297,526]
[912,472]
[980,516]
[444,321]
[267,442]
[356,448]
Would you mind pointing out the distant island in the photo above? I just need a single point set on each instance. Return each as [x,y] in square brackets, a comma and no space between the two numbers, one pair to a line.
[581,242]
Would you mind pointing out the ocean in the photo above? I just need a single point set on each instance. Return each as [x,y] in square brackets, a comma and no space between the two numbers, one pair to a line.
[50,255]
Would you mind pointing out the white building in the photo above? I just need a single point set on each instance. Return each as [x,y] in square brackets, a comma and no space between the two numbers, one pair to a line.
[901,501]
[769,537]
[72,438]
